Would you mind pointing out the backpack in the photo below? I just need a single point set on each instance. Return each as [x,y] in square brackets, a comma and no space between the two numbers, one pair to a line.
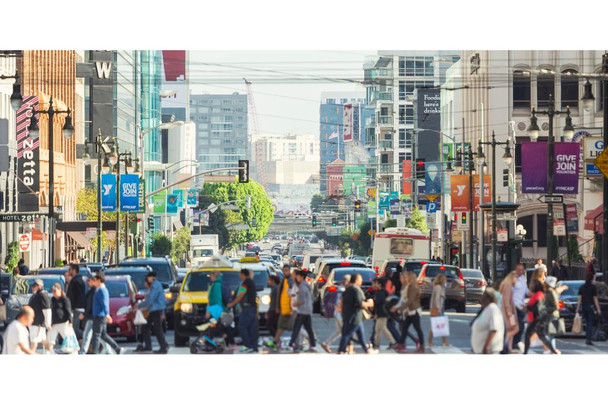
[226,294]
[329,302]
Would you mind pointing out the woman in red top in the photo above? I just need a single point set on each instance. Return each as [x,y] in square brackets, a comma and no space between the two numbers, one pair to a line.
[536,317]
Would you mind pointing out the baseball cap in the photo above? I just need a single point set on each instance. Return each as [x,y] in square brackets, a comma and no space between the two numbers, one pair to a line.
[39,282]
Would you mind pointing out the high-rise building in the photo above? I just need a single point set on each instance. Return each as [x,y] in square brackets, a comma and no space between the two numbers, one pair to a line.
[221,129]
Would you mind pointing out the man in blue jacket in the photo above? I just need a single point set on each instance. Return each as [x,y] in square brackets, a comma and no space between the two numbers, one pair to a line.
[155,305]
[101,316]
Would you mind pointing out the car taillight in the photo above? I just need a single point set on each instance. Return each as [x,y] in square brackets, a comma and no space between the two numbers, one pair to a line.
[377,267]
[460,275]
[481,283]
[345,263]
[561,304]
[321,279]
[332,288]
[422,262]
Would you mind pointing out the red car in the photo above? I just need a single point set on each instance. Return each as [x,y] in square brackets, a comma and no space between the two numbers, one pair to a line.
[123,297]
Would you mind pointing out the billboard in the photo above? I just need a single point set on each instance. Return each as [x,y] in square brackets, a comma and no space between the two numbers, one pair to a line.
[356,125]
[428,117]
[160,202]
[534,156]
[28,158]
[347,122]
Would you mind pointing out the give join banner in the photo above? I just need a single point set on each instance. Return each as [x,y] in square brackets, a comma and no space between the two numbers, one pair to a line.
[534,156]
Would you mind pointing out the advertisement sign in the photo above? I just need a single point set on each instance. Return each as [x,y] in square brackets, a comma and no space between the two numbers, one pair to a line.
[385,199]
[502,235]
[28,162]
[180,197]
[394,206]
[592,147]
[559,228]
[355,122]
[534,167]
[172,203]
[406,185]
[25,242]
[108,192]
[428,117]
[347,122]
[160,202]
[371,209]
[129,192]
[401,246]
[433,179]
[487,180]
[565,167]
[571,218]
[192,199]
[459,190]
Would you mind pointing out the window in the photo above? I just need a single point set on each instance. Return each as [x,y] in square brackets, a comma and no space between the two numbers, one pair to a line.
[521,89]
[545,89]
[402,92]
[401,66]
[383,111]
[409,114]
[402,138]
[203,118]
[569,87]
[401,114]
[384,158]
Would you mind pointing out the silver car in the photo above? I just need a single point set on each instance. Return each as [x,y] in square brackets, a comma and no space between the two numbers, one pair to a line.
[475,284]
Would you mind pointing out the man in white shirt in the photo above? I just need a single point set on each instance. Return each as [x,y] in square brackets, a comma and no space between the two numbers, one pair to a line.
[17,336]
[539,262]
[488,329]
[520,291]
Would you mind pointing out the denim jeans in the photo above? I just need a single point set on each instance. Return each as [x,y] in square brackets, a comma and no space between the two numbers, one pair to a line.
[521,317]
[100,333]
[304,320]
[588,317]
[348,331]
[87,335]
[248,327]
[391,324]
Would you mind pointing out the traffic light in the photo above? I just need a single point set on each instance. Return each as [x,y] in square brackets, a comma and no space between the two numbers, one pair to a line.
[314,221]
[334,222]
[505,177]
[420,168]
[243,171]
[150,223]
[357,205]
[463,218]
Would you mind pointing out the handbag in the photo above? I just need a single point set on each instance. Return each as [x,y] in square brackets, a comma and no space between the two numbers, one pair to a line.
[577,324]
[70,343]
[139,319]
[440,326]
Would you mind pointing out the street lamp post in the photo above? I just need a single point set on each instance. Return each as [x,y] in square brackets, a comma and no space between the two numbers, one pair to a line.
[568,133]
[508,158]
[466,156]
[68,131]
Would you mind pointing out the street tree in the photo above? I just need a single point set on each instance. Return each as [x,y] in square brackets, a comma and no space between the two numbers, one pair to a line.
[160,245]
[181,244]
[417,221]
[12,256]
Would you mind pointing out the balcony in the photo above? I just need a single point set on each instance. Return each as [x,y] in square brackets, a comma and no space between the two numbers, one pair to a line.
[387,96]
[384,121]
[385,144]
[386,168]
[381,74]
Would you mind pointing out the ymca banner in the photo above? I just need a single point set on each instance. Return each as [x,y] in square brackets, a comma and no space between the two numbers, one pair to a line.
[459,191]
[108,192]
[129,192]
[565,167]
[534,156]
[28,158]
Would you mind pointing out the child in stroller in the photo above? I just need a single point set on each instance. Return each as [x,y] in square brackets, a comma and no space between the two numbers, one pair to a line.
[213,333]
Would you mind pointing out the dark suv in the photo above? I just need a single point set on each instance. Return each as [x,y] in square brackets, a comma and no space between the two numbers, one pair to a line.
[166,274]
[409,265]
[455,292]
[321,275]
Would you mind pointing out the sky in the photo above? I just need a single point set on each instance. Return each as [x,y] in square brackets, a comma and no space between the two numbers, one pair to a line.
[286,85]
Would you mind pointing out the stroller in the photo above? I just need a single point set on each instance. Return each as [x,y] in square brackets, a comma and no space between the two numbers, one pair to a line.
[212,337]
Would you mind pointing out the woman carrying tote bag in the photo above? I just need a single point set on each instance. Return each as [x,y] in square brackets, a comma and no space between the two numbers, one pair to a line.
[437,305]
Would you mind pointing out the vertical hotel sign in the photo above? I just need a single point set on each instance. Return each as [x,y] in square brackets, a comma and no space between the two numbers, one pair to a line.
[189,148]
[28,158]
[348,122]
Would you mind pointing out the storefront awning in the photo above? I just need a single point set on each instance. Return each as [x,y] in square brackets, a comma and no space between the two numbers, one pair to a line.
[80,239]
[593,219]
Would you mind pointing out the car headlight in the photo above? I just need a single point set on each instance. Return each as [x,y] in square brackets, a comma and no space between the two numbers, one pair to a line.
[186,307]
[123,310]
[168,295]
[265,299]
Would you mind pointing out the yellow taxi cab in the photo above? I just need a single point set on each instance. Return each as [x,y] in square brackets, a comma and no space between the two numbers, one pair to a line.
[193,296]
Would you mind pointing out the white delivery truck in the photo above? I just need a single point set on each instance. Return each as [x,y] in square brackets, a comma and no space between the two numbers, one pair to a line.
[397,243]
[202,248]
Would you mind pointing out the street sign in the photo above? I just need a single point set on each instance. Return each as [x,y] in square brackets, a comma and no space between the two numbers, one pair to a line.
[25,240]
[371,232]
[431,207]
[592,148]
[602,162]
[237,227]
[430,220]
[230,207]
[20,217]
[212,207]
[549,199]
[559,228]
[431,198]
[502,235]
[400,220]
[506,216]
[220,178]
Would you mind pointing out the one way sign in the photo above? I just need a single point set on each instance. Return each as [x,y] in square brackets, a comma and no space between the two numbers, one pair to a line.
[549,199]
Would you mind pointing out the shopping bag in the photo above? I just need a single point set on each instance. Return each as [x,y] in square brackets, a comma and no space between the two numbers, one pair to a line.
[70,343]
[2,312]
[577,324]
[139,319]
[557,327]
[440,326]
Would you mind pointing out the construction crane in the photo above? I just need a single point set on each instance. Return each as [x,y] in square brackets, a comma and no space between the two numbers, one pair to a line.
[259,152]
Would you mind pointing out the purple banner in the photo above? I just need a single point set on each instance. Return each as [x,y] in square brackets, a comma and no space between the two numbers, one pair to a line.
[534,167]
[565,167]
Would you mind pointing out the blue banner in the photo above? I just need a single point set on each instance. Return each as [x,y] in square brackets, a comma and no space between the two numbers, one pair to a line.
[385,199]
[172,201]
[129,192]
[432,179]
[394,207]
[180,197]
[108,192]
[192,198]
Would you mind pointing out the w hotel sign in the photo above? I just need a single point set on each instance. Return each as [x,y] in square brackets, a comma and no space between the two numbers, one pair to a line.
[100,72]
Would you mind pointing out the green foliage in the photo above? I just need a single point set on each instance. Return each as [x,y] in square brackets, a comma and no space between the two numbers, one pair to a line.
[12,256]
[364,240]
[160,245]
[181,244]
[573,251]
[390,223]
[86,202]
[417,221]
[261,210]
[316,202]
[58,262]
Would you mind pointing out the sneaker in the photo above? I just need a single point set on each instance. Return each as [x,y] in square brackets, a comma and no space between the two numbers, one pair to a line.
[122,350]
[420,349]
[372,351]
[271,344]
[245,350]
[326,348]
[417,342]
[312,349]
[589,342]
[547,352]
[400,348]
[391,346]
[141,348]
[521,347]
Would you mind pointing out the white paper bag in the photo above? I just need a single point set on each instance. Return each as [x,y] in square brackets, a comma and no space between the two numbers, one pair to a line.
[139,318]
[440,326]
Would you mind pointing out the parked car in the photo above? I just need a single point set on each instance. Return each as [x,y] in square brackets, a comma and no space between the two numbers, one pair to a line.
[335,279]
[322,273]
[82,270]
[409,265]
[96,266]
[21,292]
[475,284]
[569,298]
[123,296]
[456,293]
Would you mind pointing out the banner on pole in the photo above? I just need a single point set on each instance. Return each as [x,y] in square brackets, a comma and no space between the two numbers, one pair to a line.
[129,192]
[160,202]
[192,200]
[172,203]
[108,192]
[534,156]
